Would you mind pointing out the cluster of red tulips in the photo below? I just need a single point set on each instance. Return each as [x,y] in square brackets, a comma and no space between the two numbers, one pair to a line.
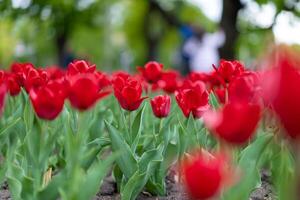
[231,101]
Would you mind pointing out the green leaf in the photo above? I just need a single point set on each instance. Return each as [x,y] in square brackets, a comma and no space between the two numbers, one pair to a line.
[9,126]
[126,160]
[213,100]
[283,173]
[51,191]
[248,162]
[28,115]
[139,179]
[136,129]
[94,178]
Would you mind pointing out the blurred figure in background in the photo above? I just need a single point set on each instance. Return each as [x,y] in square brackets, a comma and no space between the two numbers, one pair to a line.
[200,48]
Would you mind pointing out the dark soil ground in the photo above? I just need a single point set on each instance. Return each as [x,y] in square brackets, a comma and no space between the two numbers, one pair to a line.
[108,191]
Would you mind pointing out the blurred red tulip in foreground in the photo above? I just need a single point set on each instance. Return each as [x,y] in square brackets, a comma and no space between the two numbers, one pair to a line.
[235,122]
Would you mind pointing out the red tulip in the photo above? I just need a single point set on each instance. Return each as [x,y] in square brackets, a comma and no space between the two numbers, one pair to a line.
[103,79]
[152,71]
[235,122]
[245,88]
[21,71]
[221,94]
[198,76]
[169,81]
[12,83]
[203,175]
[80,67]
[128,92]
[281,90]
[229,69]
[54,72]
[84,91]
[193,100]
[35,78]
[161,105]
[48,100]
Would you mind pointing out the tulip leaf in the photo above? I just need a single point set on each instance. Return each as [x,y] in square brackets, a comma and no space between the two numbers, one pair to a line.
[126,161]
[94,177]
[248,162]
[51,191]
[213,100]
[9,126]
[28,115]
[283,173]
[139,179]
[136,129]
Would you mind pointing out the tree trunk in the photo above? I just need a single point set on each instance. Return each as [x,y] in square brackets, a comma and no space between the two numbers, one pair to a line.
[61,41]
[228,24]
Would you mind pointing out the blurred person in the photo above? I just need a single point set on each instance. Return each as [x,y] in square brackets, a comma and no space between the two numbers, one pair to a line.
[200,48]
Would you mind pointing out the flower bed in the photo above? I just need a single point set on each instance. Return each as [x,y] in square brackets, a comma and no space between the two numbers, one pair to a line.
[63,132]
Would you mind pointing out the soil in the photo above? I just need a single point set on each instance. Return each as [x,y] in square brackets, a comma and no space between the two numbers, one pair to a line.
[108,191]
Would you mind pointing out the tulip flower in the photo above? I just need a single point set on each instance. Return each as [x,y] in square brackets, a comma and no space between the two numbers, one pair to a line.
[54,72]
[84,91]
[21,71]
[203,175]
[80,67]
[161,105]
[48,100]
[103,79]
[169,81]
[152,71]
[128,92]
[229,69]
[221,94]
[245,88]
[193,100]
[35,78]
[12,83]
[281,91]
[235,122]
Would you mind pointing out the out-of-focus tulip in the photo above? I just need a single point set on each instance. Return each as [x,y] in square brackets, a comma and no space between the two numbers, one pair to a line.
[80,67]
[203,175]
[151,71]
[161,105]
[229,69]
[35,78]
[12,84]
[48,100]
[84,91]
[21,71]
[245,88]
[169,81]
[235,123]
[193,100]
[281,91]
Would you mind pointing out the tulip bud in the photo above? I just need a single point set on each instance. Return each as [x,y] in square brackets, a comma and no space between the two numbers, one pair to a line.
[193,99]
[84,91]
[128,92]
[152,71]
[48,100]
[230,69]
[203,175]
[80,67]
[161,105]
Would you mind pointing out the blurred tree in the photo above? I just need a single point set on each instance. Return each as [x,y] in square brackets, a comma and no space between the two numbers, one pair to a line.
[62,17]
[230,23]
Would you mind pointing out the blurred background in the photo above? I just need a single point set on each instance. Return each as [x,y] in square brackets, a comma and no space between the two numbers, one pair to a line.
[122,34]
